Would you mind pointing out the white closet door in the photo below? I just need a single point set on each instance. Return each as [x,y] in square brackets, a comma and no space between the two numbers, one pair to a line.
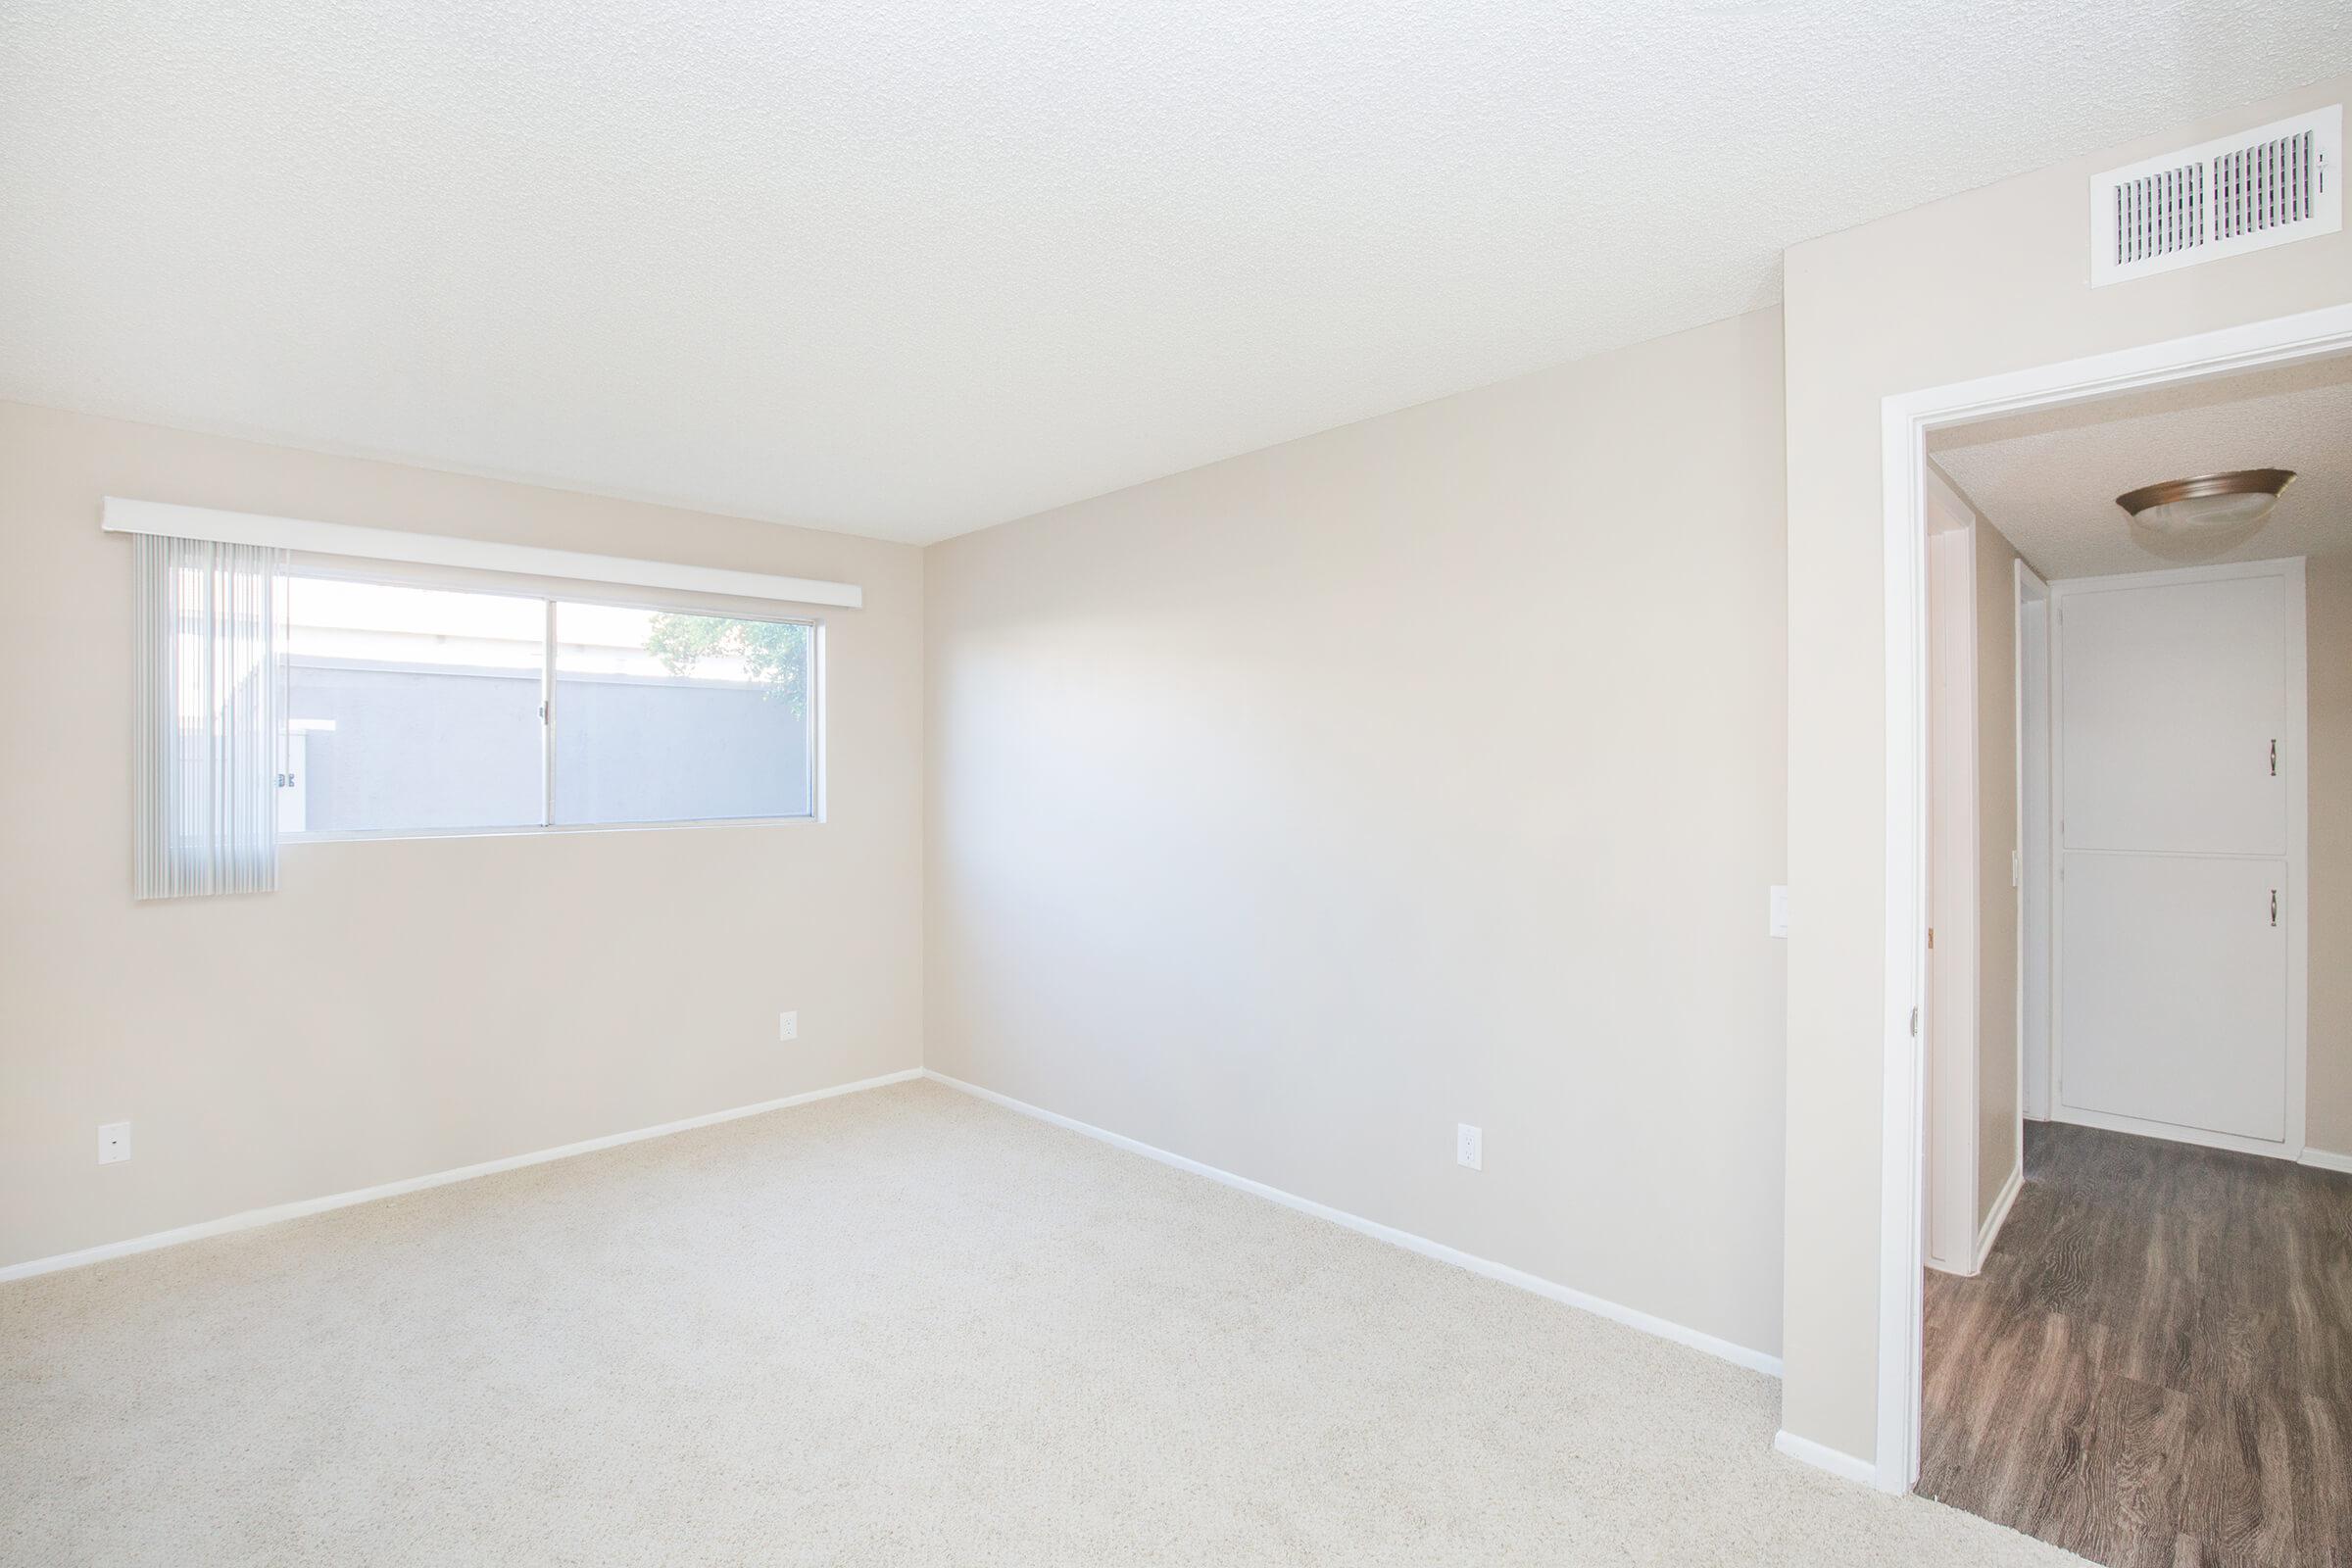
[2180,789]
[2173,992]
[2174,695]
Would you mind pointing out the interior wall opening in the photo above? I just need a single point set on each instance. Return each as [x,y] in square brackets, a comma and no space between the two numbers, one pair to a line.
[2135,1062]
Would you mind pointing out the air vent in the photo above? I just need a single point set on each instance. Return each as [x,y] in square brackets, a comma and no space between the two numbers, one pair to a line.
[2261,187]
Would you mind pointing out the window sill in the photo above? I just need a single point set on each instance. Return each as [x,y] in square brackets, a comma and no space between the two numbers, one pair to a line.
[538,830]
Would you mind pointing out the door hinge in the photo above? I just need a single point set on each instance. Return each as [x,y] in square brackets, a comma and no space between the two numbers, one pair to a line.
[1915,1023]
[1930,938]
[2273,905]
[2274,759]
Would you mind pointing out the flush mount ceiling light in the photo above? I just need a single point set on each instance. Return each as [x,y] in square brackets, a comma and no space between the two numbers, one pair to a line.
[2211,503]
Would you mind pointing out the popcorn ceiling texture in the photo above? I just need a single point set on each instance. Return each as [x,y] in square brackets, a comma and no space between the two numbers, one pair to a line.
[909,268]
[900,1327]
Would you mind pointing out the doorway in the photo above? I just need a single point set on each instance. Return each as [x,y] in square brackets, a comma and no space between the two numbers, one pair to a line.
[2064,1153]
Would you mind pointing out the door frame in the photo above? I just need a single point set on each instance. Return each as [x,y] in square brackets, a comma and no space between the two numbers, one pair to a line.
[1950,1002]
[2031,593]
[1905,419]
[2296,741]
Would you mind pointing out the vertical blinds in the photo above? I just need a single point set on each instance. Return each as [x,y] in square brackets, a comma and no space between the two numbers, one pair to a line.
[209,632]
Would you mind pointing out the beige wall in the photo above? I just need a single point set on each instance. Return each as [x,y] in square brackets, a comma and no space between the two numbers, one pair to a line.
[1997,893]
[408,1007]
[1288,812]
[1988,281]
[2327,632]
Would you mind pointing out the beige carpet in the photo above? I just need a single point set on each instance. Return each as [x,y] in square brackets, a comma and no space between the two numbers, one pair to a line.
[899,1326]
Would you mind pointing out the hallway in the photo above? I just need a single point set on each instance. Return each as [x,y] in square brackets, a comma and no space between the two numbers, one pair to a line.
[2155,1366]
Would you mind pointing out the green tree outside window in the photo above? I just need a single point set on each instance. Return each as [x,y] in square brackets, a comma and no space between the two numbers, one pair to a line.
[774,653]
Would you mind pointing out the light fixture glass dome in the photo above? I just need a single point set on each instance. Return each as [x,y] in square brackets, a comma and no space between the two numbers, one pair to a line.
[2237,502]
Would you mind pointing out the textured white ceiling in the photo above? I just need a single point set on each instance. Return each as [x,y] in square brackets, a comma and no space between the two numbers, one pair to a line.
[2048,479]
[909,268]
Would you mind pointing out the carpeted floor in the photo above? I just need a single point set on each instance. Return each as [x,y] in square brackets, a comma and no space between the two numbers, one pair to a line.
[898,1327]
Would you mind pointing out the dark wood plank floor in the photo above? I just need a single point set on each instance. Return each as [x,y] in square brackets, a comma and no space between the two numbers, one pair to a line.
[2155,1366]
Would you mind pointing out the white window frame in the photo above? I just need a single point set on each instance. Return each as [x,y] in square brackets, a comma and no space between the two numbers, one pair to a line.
[549,594]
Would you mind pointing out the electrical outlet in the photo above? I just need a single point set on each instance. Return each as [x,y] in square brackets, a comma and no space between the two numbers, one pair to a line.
[114,1142]
[788,1026]
[1469,1146]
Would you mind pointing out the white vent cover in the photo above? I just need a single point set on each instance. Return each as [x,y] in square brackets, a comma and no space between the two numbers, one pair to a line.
[2267,187]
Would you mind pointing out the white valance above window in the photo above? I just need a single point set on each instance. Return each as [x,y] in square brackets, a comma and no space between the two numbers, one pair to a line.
[480,554]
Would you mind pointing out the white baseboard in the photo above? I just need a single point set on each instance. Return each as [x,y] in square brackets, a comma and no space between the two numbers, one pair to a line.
[1991,1231]
[1662,1328]
[2326,1160]
[415,1184]
[1822,1457]
[2267,1148]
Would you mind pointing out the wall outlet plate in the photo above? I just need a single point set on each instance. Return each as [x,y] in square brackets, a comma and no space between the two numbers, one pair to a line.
[1469,1146]
[113,1143]
[788,1026]
[1777,920]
